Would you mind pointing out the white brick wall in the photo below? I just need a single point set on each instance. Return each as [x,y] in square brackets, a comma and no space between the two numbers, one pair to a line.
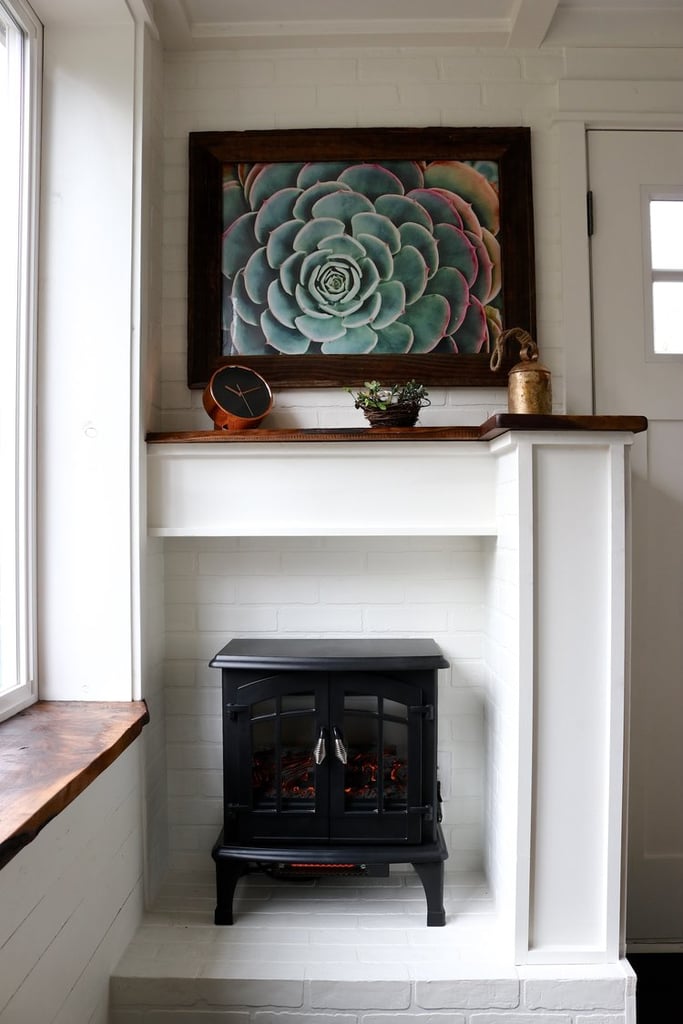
[473,998]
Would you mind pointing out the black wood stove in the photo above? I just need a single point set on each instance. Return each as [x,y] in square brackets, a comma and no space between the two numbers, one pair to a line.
[329,762]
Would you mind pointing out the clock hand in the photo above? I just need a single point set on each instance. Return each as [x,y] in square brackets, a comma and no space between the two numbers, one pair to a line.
[247,390]
[242,396]
[237,390]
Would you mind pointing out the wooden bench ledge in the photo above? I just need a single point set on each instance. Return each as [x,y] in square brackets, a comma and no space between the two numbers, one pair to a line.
[49,753]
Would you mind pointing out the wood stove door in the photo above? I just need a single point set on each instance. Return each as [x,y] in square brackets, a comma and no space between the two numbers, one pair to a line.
[276,759]
[376,776]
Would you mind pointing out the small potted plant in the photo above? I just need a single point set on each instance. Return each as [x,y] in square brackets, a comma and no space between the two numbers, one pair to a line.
[391,405]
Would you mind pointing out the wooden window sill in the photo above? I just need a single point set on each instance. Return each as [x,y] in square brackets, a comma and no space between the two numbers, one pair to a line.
[50,753]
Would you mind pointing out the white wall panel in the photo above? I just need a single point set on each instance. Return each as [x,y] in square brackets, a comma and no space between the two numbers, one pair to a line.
[579,551]
[84,369]
[321,489]
[71,901]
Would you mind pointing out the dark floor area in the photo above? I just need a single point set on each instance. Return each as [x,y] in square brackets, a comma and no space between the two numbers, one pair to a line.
[659,993]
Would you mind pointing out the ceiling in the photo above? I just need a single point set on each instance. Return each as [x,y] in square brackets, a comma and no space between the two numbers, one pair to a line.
[523,24]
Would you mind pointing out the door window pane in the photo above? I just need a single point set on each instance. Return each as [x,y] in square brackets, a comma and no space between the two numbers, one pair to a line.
[666,234]
[666,274]
[667,316]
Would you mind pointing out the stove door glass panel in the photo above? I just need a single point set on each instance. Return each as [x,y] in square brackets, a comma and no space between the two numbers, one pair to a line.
[282,740]
[360,737]
[297,767]
[376,738]
[361,702]
[395,709]
[263,745]
[395,763]
[263,708]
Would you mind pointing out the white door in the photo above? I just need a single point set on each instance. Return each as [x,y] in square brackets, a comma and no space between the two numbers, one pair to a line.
[627,169]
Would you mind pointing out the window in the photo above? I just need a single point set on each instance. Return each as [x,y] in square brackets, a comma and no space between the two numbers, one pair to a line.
[664,290]
[20,44]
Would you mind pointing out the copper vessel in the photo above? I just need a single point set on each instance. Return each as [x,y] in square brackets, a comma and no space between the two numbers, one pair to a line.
[529,387]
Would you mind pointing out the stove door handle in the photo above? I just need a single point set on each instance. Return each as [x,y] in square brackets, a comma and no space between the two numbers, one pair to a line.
[320,747]
[340,751]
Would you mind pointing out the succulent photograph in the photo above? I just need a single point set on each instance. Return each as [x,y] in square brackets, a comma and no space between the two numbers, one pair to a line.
[359,258]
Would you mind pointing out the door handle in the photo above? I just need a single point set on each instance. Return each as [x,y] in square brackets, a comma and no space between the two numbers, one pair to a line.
[339,749]
[320,747]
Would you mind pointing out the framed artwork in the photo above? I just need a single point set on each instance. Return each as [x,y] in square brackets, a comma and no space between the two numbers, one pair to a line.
[330,257]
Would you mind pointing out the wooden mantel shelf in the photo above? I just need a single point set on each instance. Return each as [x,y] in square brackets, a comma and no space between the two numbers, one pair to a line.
[501,423]
[50,752]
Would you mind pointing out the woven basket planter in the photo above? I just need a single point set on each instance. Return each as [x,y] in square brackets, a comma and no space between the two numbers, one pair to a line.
[394,416]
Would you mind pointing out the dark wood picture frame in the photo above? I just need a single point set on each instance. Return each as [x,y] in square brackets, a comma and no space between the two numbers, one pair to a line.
[209,152]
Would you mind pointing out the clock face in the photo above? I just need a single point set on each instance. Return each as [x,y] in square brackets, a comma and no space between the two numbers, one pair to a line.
[237,397]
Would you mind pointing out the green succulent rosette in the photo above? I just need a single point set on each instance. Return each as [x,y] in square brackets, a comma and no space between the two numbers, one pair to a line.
[358,258]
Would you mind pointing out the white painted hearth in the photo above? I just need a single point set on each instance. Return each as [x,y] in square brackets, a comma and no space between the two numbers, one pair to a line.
[546,513]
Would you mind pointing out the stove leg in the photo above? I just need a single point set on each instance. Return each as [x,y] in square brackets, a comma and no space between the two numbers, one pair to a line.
[228,874]
[431,876]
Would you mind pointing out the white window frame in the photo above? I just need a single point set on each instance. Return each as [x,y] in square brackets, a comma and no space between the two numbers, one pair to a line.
[19,589]
[649,194]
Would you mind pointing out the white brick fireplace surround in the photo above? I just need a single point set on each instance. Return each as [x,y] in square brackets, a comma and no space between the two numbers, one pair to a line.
[512,552]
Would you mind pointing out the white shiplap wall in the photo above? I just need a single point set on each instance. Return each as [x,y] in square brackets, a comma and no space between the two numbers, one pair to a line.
[70,902]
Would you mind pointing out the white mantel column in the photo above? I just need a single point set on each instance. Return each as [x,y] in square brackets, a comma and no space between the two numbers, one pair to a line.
[573,495]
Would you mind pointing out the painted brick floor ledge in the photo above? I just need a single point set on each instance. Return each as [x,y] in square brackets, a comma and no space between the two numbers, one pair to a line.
[348,951]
